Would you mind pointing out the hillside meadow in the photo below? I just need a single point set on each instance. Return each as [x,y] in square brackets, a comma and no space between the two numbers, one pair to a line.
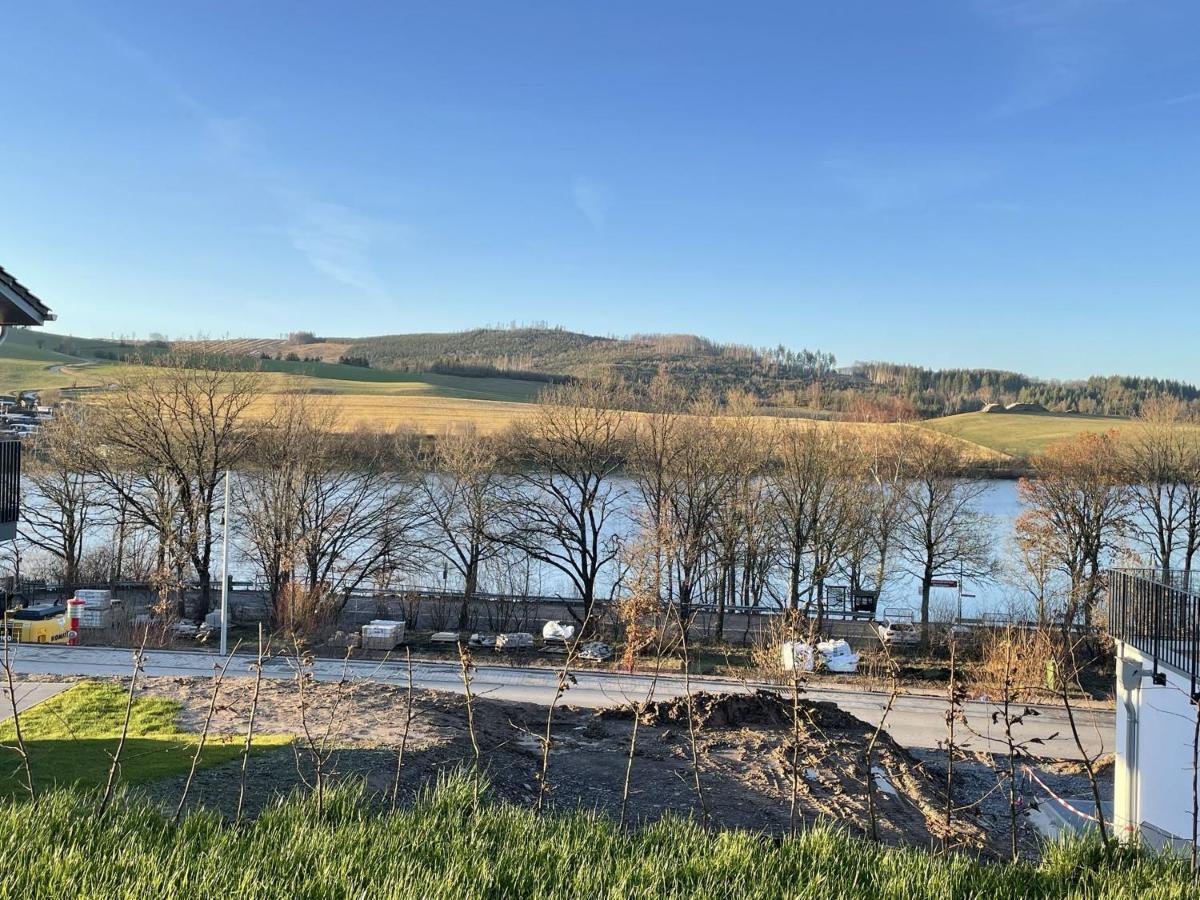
[1022,434]
[431,403]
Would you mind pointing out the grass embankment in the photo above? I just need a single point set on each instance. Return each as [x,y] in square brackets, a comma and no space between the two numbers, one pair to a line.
[1021,434]
[70,739]
[440,848]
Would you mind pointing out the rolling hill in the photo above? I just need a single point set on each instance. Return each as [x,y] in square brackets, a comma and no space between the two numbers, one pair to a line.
[490,376]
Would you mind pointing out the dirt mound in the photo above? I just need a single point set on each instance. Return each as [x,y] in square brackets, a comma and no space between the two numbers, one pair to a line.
[762,709]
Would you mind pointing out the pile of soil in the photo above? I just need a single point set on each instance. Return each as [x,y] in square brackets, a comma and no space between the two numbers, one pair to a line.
[745,745]
[761,709]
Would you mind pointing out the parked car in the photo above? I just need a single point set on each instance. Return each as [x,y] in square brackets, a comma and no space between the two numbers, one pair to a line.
[897,629]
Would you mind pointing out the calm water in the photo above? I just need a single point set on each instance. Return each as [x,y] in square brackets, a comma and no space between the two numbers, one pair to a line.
[997,597]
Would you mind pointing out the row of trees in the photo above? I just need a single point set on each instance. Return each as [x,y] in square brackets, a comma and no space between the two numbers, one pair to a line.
[939,392]
[1132,497]
[689,500]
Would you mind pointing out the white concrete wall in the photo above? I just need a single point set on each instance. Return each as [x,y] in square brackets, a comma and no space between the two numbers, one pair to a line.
[1153,781]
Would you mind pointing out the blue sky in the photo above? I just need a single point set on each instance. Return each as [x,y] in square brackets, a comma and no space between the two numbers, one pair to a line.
[1008,183]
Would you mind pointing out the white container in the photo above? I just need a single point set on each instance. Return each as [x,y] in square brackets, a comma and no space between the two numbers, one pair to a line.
[444,637]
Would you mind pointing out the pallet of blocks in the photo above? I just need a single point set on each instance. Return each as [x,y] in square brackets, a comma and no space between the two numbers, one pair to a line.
[382,634]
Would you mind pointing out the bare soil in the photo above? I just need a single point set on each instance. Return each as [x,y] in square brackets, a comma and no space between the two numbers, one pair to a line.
[744,745]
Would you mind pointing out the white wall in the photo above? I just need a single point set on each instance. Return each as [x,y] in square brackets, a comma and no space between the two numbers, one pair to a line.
[1160,767]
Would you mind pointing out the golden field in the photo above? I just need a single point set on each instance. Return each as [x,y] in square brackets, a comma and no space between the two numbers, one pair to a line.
[432,403]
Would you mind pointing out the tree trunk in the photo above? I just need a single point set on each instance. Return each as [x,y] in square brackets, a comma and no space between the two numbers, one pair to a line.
[926,586]
[470,582]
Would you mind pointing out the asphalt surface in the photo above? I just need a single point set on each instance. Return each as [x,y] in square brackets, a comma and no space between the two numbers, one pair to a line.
[915,721]
[29,693]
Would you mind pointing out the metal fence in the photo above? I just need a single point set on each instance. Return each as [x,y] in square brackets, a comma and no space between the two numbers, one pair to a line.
[1158,613]
[10,488]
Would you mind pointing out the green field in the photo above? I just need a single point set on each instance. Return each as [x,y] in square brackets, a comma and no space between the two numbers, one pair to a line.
[1021,434]
[71,737]
[445,847]
[389,399]
[27,360]
[364,397]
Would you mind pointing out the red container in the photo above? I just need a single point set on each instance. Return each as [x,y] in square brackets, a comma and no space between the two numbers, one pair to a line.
[74,613]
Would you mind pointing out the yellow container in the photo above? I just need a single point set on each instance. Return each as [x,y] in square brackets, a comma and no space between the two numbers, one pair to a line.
[37,625]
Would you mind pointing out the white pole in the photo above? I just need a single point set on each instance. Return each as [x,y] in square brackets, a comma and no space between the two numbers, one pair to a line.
[960,580]
[225,570]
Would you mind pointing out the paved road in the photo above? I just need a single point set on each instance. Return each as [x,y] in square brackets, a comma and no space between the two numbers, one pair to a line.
[30,693]
[915,721]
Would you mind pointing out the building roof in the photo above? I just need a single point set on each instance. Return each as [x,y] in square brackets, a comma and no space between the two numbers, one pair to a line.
[18,306]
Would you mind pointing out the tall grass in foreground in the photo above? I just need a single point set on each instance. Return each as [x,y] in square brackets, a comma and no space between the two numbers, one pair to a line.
[438,848]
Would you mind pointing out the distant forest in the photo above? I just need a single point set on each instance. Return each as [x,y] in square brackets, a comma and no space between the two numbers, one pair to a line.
[949,391]
[797,380]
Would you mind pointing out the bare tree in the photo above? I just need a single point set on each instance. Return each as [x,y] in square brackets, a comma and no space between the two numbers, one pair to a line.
[462,486]
[258,673]
[885,460]
[322,511]
[651,457]
[318,740]
[700,473]
[466,667]
[1078,497]
[62,509]
[743,520]
[212,708]
[1032,564]
[841,511]
[693,719]
[1069,669]
[409,715]
[355,519]
[893,693]
[115,764]
[564,679]
[273,484]
[564,496]
[1158,457]
[942,529]
[956,696]
[177,423]
[21,749]
[802,472]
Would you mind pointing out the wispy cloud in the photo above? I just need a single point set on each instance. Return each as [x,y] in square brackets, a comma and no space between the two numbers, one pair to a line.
[593,200]
[1059,51]
[335,239]
[880,185]
[1193,97]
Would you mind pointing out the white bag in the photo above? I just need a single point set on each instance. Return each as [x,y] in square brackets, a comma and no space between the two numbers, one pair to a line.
[796,656]
[557,632]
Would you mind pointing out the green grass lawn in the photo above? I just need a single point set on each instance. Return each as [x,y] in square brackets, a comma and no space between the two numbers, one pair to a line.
[25,362]
[1021,434]
[71,737]
[442,847]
